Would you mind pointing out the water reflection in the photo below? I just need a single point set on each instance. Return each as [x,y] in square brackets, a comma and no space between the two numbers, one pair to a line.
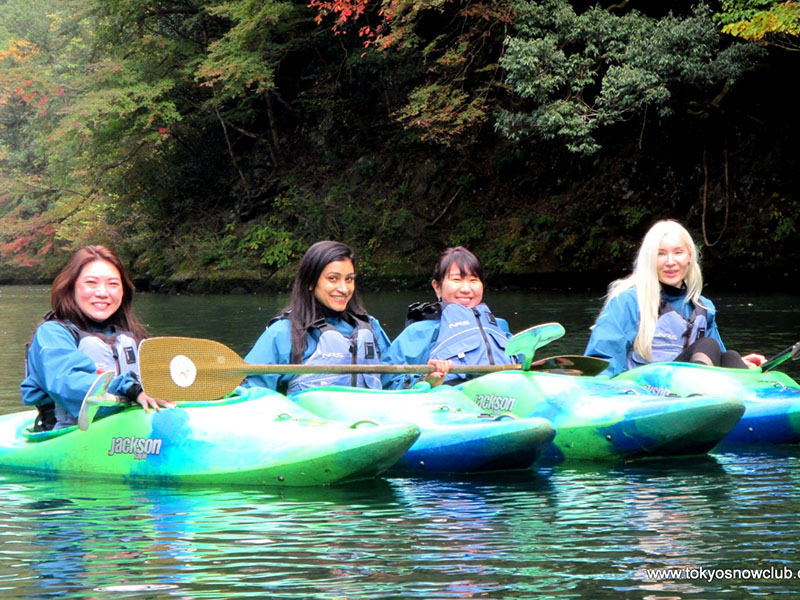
[69,535]
[572,531]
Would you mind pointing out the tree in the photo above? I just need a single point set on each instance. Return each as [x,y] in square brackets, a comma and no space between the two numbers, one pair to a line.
[767,22]
[38,75]
[576,73]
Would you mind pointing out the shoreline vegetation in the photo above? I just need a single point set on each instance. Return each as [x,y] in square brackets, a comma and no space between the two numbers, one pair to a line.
[211,142]
[746,281]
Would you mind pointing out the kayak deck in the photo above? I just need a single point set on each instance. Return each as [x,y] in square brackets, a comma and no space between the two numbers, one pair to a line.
[256,437]
[456,436]
[599,420]
[772,399]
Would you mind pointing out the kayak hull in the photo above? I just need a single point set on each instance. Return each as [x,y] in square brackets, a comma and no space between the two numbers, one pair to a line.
[255,437]
[772,399]
[455,437]
[600,420]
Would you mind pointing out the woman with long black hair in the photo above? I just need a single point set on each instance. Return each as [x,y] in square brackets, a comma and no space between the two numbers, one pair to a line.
[325,323]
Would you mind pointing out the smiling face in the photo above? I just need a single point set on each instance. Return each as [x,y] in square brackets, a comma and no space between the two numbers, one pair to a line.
[672,263]
[99,290]
[336,285]
[466,290]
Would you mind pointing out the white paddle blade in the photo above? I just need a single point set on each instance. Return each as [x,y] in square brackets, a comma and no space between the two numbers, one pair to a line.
[90,402]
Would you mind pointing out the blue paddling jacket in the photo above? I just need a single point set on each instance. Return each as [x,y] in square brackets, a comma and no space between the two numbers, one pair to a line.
[616,328]
[467,336]
[274,346]
[63,362]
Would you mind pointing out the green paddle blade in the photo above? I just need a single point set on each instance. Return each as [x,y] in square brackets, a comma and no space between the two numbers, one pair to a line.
[528,341]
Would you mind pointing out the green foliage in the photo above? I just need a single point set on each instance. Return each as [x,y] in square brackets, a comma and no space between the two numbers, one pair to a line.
[576,73]
[217,139]
[783,220]
[462,81]
[245,58]
[775,22]
[273,245]
[37,66]
[468,232]
[440,112]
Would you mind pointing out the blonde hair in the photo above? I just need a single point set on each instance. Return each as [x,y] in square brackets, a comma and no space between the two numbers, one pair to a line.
[644,279]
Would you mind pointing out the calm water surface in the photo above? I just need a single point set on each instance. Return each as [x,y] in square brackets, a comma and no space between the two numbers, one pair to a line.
[564,531]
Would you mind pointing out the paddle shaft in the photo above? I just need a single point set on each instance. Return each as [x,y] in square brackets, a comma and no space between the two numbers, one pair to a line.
[256,369]
[790,352]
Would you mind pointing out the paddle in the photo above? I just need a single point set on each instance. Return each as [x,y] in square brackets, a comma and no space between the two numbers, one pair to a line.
[792,352]
[571,364]
[180,368]
[95,398]
[527,342]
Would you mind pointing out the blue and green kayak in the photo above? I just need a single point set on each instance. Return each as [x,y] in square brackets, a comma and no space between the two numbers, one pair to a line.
[255,436]
[771,399]
[456,435]
[600,419]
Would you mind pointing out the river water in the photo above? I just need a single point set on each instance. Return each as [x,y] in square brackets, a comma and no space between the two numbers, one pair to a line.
[558,531]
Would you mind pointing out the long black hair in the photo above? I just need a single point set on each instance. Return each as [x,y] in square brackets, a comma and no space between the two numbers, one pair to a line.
[303,309]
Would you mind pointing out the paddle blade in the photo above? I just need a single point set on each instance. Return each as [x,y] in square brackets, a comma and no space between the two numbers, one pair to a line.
[180,369]
[89,405]
[571,365]
[528,341]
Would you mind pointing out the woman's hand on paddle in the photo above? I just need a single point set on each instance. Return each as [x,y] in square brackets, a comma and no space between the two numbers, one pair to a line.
[440,369]
[754,360]
[146,402]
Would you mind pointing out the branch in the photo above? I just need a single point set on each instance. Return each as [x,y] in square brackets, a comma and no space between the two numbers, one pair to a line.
[444,210]
[108,167]
[230,150]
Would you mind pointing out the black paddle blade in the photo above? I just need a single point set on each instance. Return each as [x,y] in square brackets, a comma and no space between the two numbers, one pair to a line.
[571,365]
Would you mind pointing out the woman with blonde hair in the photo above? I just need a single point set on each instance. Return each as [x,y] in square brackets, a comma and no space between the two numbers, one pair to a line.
[656,314]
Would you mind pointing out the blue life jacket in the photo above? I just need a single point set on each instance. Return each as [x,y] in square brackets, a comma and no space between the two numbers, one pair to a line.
[673,334]
[334,348]
[116,353]
[468,337]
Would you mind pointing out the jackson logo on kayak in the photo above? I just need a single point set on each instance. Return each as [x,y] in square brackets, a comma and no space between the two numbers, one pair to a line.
[492,402]
[139,447]
[659,391]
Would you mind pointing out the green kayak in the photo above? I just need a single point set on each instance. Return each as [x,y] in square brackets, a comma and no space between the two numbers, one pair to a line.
[256,436]
[771,399]
[600,419]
